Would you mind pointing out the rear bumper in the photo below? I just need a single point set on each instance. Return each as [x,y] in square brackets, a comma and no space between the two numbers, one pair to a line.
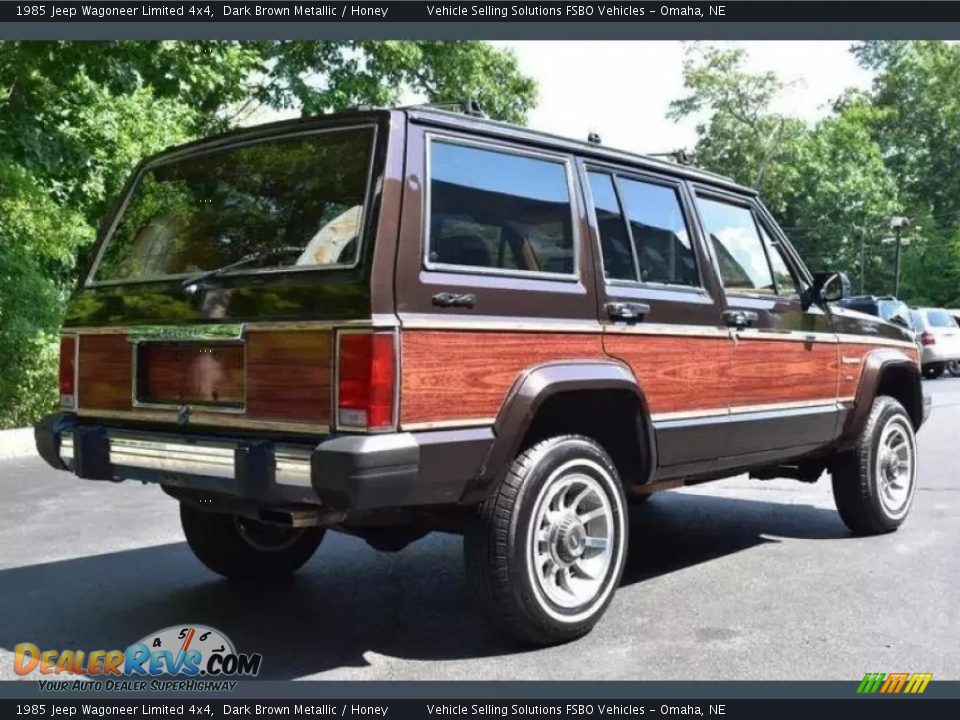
[345,472]
[939,353]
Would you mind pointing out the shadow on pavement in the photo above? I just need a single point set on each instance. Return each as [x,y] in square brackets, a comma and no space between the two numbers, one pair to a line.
[349,600]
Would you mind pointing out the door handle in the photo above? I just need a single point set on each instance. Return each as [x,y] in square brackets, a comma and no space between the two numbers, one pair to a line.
[451,299]
[740,318]
[627,310]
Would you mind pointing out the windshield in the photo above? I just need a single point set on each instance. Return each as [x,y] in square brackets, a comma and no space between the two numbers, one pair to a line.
[940,319]
[209,210]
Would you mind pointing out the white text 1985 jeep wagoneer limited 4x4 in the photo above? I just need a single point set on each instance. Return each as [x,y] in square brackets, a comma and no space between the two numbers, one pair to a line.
[396,321]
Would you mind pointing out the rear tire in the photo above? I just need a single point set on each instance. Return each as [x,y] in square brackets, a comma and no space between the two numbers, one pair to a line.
[243,549]
[874,484]
[953,367]
[545,552]
[933,371]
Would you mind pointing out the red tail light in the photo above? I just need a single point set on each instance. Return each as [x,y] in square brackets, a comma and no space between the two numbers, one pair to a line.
[366,377]
[68,354]
[927,338]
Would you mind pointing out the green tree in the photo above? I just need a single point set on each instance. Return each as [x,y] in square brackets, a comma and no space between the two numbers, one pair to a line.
[826,183]
[738,133]
[916,99]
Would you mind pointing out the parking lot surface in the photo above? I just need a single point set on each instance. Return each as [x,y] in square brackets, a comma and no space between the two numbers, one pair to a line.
[739,579]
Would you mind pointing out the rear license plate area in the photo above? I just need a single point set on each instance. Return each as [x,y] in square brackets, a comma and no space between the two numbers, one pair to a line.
[200,374]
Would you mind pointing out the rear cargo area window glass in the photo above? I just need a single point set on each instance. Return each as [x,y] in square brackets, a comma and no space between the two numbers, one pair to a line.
[736,241]
[499,210]
[295,202]
[664,252]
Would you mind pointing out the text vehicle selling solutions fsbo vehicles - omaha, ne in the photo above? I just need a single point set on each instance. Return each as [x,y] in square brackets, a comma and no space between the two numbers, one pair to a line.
[390,322]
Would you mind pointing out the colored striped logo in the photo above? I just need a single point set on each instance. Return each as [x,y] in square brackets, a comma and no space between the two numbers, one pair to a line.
[892,683]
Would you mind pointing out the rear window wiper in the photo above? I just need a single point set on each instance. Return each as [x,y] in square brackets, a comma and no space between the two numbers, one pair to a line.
[242,262]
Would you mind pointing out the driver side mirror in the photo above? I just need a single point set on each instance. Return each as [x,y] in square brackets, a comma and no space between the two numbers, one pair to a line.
[827,287]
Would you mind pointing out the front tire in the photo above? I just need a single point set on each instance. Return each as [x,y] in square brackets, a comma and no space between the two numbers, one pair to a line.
[545,553]
[874,484]
[953,367]
[242,549]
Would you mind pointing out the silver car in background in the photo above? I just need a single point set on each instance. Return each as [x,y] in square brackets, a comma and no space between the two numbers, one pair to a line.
[939,336]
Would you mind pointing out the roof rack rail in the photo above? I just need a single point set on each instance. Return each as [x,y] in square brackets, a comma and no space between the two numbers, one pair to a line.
[467,106]
[680,157]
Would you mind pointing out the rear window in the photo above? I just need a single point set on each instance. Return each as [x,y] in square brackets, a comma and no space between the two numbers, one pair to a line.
[294,202]
[499,210]
[940,319]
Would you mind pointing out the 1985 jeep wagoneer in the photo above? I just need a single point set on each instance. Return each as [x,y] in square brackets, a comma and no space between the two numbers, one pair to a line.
[396,321]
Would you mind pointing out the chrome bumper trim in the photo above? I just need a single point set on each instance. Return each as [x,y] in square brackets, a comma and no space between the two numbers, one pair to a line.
[210,459]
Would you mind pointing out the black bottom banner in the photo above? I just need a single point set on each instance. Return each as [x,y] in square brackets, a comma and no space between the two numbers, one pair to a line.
[874,708]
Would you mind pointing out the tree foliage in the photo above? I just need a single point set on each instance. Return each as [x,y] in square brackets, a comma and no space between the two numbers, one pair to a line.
[893,150]
[75,117]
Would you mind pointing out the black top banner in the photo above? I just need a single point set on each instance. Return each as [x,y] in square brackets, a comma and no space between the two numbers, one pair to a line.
[360,709]
[424,11]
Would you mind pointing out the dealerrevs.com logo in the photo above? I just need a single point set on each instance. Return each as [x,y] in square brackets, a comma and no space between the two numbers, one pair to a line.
[204,656]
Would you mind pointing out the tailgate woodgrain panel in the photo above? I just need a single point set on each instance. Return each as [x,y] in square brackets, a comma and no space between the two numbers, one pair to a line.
[105,374]
[289,375]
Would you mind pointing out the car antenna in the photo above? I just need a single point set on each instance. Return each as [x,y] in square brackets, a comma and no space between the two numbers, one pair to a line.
[594,139]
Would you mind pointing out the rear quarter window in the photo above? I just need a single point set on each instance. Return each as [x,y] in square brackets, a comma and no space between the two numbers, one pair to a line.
[498,210]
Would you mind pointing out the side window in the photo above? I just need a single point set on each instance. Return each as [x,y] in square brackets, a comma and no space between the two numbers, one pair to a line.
[786,282]
[738,246]
[655,246]
[660,238]
[614,238]
[499,210]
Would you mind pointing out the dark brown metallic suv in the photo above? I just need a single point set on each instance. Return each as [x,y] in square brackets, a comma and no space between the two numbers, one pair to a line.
[392,322]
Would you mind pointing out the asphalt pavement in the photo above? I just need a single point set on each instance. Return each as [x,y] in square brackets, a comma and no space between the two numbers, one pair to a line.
[738,579]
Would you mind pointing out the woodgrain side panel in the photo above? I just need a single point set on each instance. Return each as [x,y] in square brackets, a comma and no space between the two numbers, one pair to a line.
[289,375]
[451,375]
[177,373]
[850,371]
[677,373]
[778,371]
[105,373]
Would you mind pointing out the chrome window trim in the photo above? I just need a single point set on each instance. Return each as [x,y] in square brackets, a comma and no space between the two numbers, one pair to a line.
[519,324]
[643,328]
[775,335]
[848,339]
[365,228]
[505,149]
